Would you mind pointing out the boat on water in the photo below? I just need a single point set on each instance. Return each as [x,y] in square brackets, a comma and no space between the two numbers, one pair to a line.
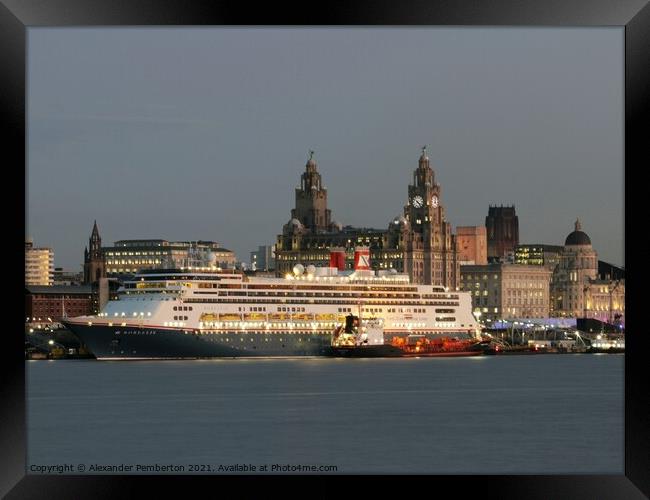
[356,340]
[366,339]
[208,313]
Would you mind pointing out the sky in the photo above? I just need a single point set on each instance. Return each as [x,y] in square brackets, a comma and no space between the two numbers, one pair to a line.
[203,133]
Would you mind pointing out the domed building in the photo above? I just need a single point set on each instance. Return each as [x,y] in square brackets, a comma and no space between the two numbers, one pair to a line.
[577,290]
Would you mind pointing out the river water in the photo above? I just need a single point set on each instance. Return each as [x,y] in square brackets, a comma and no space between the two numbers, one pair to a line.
[537,414]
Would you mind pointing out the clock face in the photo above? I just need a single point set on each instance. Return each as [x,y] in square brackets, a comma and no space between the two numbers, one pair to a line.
[434,201]
[417,201]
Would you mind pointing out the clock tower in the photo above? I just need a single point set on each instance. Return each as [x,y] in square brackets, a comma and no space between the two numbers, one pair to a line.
[430,253]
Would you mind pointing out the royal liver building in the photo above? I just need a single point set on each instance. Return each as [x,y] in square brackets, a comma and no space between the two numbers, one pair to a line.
[418,242]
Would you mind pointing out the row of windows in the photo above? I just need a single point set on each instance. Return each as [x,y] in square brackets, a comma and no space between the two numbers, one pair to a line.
[291,309]
[525,302]
[42,297]
[530,294]
[136,253]
[133,262]
[311,301]
[470,277]
[318,294]
[54,311]
[179,318]
[370,288]
[182,308]
[402,310]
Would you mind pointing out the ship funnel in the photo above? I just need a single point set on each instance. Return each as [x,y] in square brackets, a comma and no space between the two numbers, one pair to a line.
[362,259]
[337,258]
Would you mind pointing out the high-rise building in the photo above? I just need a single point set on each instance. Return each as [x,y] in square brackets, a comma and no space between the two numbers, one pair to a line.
[502,226]
[94,263]
[472,245]
[39,265]
[419,242]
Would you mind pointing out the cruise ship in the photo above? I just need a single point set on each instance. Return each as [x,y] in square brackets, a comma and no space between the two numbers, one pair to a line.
[210,313]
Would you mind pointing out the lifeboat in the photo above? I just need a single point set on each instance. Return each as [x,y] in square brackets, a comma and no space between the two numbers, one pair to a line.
[255,317]
[230,317]
[326,317]
[303,316]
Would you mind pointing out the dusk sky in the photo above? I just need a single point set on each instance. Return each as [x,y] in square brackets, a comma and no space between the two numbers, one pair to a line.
[202,133]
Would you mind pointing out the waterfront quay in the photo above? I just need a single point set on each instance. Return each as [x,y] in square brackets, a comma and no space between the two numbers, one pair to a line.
[532,336]
[53,341]
[46,342]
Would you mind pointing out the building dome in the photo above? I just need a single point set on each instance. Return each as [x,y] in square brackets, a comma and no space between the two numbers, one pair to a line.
[577,237]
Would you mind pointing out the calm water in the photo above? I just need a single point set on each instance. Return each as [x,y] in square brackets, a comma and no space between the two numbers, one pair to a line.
[503,415]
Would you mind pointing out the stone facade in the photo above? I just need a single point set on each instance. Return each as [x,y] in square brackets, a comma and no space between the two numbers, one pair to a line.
[506,291]
[311,201]
[578,291]
[419,242]
[605,301]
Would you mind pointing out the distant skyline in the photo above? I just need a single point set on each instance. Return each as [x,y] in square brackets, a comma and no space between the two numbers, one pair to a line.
[203,133]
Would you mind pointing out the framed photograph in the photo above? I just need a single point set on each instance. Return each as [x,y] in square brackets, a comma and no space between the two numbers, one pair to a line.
[435,182]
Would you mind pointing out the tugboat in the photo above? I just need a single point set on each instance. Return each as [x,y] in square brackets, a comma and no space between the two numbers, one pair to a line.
[361,341]
[356,340]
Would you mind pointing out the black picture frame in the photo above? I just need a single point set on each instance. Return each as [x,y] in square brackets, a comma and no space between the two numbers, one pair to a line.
[632,15]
